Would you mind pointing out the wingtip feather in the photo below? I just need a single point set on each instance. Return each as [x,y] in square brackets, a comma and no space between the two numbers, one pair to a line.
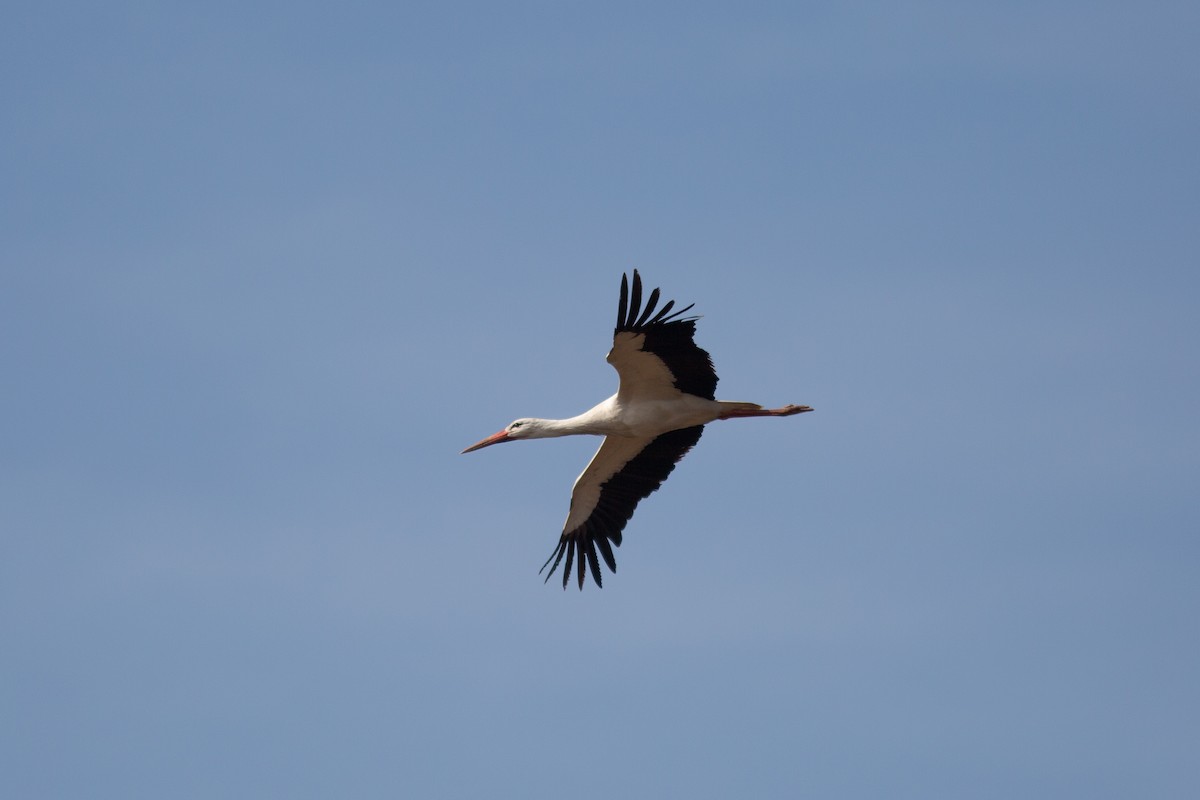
[651,302]
[593,564]
[623,305]
[570,561]
[635,299]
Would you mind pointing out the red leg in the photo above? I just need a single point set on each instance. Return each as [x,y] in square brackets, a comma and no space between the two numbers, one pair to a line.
[786,411]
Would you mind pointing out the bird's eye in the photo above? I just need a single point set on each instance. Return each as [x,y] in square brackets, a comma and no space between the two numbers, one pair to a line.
[516,425]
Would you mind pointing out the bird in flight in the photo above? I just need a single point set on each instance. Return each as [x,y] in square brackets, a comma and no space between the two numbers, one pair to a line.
[664,399]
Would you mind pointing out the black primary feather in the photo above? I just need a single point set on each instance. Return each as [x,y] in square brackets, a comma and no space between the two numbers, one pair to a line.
[623,304]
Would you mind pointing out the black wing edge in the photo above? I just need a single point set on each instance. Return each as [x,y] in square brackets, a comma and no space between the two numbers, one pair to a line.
[631,316]
[584,546]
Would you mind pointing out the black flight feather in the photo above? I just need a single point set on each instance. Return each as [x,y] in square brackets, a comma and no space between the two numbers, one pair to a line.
[651,302]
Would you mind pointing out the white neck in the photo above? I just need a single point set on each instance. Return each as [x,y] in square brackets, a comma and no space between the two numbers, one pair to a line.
[548,428]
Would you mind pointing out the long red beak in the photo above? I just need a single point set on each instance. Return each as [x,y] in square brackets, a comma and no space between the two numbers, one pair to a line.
[495,438]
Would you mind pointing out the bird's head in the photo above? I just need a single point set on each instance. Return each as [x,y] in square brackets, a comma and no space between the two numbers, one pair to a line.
[517,429]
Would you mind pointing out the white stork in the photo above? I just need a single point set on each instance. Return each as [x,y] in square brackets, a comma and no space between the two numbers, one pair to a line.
[663,401]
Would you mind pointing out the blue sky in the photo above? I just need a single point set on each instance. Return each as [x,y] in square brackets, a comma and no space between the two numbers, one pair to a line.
[266,269]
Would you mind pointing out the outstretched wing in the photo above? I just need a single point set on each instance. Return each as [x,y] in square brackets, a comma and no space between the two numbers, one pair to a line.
[623,472]
[654,353]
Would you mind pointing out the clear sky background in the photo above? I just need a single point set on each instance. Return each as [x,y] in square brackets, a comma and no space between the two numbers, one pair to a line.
[266,268]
